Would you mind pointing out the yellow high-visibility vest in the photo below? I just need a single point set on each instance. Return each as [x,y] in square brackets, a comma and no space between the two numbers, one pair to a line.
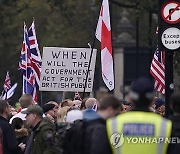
[138,132]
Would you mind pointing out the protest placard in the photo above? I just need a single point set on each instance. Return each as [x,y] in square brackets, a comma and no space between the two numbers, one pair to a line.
[65,69]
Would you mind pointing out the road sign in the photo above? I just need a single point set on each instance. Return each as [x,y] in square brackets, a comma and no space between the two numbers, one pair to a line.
[171,38]
[170,12]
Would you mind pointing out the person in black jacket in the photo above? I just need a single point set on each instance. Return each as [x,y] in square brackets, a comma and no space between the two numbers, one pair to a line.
[10,144]
[109,106]
[174,148]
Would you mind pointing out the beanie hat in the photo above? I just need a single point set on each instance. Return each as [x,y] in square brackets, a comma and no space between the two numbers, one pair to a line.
[74,115]
[47,107]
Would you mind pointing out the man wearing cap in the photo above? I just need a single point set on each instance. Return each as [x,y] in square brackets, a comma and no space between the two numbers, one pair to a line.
[48,110]
[56,108]
[125,131]
[159,106]
[41,139]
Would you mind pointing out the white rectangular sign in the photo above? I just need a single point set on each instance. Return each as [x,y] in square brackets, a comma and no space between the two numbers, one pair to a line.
[65,69]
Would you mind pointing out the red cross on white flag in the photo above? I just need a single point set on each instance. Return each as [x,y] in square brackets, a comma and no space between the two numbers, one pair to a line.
[103,34]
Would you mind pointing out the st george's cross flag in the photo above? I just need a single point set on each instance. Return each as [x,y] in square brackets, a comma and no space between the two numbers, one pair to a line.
[103,34]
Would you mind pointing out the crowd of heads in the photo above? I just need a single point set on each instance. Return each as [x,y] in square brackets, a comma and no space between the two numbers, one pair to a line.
[66,111]
[141,97]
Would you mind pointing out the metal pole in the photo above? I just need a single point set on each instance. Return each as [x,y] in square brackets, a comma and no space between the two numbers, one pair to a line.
[150,39]
[168,81]
[41,97]
[137,40]
[85,84]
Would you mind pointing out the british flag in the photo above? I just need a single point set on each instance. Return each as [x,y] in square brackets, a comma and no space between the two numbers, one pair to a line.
[30,62]
[7,82]
[35,54]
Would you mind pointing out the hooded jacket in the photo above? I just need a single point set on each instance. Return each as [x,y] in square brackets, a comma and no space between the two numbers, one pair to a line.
[21,135]
[43,138]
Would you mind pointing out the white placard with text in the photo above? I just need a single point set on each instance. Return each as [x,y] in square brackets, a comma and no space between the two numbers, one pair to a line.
[65,69]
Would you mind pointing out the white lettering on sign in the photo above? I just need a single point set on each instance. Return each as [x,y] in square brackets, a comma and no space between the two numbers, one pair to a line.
[65,69]
[171,38]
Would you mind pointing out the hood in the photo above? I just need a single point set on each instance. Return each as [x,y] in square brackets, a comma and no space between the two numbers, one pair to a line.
[21,132]
[90,114]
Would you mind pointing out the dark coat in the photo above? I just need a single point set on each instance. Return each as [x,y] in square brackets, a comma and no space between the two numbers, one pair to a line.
[43,139]
[96,140]
[10,143]
[175,148]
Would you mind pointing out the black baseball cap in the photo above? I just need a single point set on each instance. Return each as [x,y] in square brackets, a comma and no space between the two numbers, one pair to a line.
[47,107]
[142,85]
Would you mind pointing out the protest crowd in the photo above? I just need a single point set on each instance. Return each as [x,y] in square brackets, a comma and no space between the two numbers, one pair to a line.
[109,125]
[88,126]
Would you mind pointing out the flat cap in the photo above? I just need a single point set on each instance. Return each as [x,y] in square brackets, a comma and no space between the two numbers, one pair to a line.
[34,109]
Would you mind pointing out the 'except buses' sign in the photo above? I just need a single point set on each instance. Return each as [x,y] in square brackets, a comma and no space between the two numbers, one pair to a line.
[171,38]
[65,69]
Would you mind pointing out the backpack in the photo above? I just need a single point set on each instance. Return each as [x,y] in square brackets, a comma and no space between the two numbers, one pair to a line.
[70,138]
[76,138]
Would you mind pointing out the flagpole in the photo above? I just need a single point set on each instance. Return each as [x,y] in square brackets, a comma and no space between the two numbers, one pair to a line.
[26,55]
[41,98]
[91,47]
[63,96]
[110,15]
[97,22]
[6,95]
[2,94]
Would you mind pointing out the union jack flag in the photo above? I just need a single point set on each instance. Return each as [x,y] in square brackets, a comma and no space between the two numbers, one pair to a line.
[7,82]
[30,62]
[35,54]
[157,70]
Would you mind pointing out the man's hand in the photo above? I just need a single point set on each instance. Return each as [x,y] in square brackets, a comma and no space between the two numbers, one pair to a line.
[22,146]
